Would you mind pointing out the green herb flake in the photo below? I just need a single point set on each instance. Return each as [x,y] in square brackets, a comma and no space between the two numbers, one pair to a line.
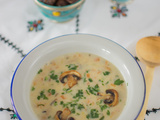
[55,103]
[33,88]
[40,70]
[88,116]
[72,66]
[87,92]
[103,107]
[66,90]
[102,82]
[93,90]
[40,105]
[73,104]
[90,80]
[102,118]
[108,113]
[46,78]
[94,113]
[77,114]
[79,95]
[84,78]
[61,103]
[80,106]
[107,82]
[42,95]
[73,110]
[52,91]
[53,76]
[118,82]
[106,73]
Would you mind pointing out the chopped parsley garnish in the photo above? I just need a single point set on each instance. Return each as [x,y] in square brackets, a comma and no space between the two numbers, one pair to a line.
[46,78]
[33,88]
[52,91]
[103,107]
[90,80]
[87,92]
[102,118]
[73,104]
[84,78]
[72,66]
[80,106]
[42,95]
[54,77]
[40,105]
[73,110]
[40,70]
[108,112]
[99,102]
[79,95]
[106,73]
[93,114]
[118,82]
[93,90]
[102,82]
[77,114]
[55,103]
[66,90]
[107,82]
[61,103]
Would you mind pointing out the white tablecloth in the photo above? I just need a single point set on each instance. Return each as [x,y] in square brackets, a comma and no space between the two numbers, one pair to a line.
[143,19]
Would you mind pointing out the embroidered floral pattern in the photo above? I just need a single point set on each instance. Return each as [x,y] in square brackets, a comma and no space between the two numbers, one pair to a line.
[12,45]
[117,11]
[13,116]
[35,25]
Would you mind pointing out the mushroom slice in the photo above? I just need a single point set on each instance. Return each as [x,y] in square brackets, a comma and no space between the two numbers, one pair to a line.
[72,77]
[58,114]
[113,99]
[65,114]
[71,118]
[110,98]
[62,115]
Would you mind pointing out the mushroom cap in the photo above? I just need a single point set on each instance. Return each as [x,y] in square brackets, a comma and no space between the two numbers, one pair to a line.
[62,115]
[66,112]
[72,77]
[74,73]
[57,115]
[71,118]
[113,99]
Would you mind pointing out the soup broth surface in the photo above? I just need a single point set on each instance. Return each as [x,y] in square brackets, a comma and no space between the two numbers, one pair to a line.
[76,84]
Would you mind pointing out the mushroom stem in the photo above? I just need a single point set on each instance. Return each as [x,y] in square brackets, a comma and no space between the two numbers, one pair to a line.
[103,96]
[72,77]
[65,114]
[62,115]
[71,81]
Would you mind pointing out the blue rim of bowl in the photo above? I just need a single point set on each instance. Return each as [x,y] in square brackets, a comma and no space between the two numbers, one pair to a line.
[11,94]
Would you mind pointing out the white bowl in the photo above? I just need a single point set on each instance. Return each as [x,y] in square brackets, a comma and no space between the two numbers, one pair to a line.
[45,52]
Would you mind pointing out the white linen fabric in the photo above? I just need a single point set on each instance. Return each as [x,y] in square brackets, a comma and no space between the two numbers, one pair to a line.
[143,19]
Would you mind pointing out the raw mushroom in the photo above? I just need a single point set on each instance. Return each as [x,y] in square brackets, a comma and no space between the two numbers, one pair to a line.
[62,115]
[110,98]
[72,77]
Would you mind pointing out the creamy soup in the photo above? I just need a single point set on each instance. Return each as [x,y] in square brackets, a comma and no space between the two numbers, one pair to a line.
[78,86]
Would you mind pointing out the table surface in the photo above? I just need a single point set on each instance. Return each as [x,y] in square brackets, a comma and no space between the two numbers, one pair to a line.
[141,19]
